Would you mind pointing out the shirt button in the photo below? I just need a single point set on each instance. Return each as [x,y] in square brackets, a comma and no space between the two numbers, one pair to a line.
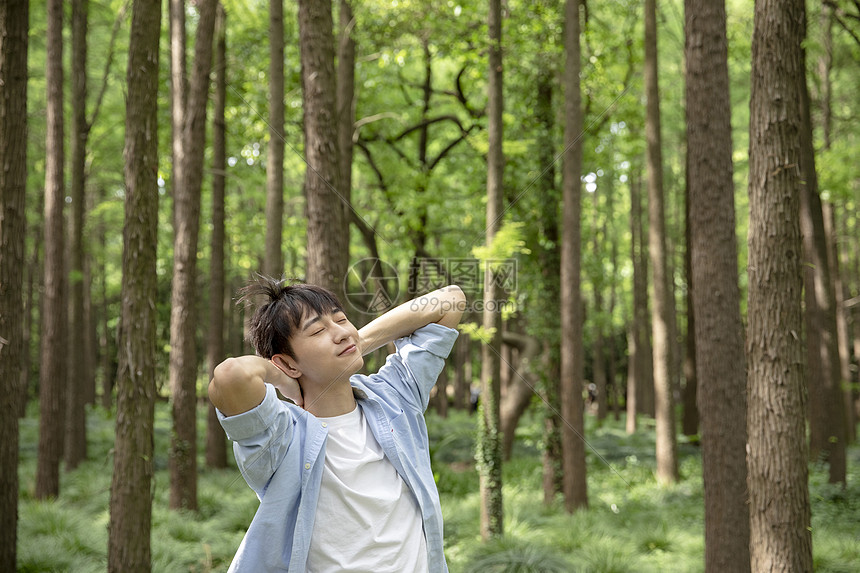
[324,425]
[307,466]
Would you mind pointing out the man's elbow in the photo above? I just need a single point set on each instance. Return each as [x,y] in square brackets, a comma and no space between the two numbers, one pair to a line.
[454,307]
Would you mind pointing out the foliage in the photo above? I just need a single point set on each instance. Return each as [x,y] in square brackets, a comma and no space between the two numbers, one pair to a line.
[632,524]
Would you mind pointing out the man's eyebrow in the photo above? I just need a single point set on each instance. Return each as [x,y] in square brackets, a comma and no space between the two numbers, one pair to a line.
[310,322]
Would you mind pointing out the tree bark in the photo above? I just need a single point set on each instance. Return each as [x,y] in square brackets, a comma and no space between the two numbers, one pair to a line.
[273,258]
[216,442]
[521,388]
[574,482]
[663,311]
[14,29]
[826,407]
[183,309]
[489,448]
[690,415]
[178,91]
[129,549]
[717,327]
[75,449]
[780,538]
[52,379]
[842,336]
[346,104]
[328,231]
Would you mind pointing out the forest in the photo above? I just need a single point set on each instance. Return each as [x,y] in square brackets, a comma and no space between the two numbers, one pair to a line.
[651,208]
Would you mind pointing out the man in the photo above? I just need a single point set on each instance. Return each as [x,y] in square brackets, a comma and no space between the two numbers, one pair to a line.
[342,470]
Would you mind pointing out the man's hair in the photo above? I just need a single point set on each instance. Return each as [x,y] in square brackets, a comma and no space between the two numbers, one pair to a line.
[280,313]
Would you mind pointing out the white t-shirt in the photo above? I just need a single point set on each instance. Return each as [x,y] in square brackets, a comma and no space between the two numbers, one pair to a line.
[367,519]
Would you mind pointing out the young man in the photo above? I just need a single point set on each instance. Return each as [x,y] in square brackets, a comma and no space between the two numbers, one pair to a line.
[343,472]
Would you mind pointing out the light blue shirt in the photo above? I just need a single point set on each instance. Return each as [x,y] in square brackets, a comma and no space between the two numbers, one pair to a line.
[280,450]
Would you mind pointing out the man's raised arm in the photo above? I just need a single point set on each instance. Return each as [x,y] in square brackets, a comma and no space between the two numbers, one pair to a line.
[238,384]
[444,306]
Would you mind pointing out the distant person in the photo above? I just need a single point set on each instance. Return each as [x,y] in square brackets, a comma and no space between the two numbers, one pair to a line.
[343,472]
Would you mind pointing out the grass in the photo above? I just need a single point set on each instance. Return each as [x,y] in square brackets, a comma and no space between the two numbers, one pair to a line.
[631,525]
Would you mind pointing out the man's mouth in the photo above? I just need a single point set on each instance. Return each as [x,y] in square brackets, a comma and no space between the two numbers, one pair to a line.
[348,350]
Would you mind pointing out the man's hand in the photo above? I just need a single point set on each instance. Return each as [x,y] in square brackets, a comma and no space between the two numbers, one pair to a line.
[444,306]
[288,386]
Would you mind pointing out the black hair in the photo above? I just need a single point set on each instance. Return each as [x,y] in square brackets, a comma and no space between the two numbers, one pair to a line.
[280,314]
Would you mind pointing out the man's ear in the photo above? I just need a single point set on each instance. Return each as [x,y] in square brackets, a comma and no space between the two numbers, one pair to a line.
[287,365]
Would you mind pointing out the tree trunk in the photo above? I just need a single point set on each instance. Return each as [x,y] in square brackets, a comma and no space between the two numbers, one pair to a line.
[521,388]
[640,353]
[844,386]
[178,90]
[826,407]
[131,487]
[598,348]
[663,311]
[54,312]
[345,105]
[14,29]
[717,328]
[489,447]
[183,310]
[273,258]
[216,442]
[75,449]
[572,352]
[780,538]
[547,321]
[327,232]
[690,415]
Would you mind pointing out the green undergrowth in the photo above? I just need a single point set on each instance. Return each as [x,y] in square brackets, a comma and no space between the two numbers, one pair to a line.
[632,524]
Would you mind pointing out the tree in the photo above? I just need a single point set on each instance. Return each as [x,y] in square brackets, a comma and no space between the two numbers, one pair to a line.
[14,28]
[273,260]
[52,380]
[131,486]
[826,406]
[663,311]
[183,315]
[327,230]
[489,447]
[718,329]
[346,103]
[780,538]
[574,483]
[216,442]
[75,448]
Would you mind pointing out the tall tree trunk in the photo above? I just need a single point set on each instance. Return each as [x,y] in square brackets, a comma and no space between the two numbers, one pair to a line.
[54,312]
[345,104]
[178,90]
[844,385]
[183,308]
[75,449]
[716,298]
[826,407]
[780,538]
[663,311]
[273,258]
[328,231]
[489,447]
[216,442]
[131,487]
[598,348]
[572,351]
[690,415]
[549,253]
[14,29]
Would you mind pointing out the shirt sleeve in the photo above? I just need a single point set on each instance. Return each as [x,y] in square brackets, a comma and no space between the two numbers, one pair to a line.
[413,369]
[260,438]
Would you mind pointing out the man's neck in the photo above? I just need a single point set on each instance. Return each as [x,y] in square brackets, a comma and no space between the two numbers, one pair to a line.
[328,400]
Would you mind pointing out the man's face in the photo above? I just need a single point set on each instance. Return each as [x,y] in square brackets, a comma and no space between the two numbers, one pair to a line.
[325,348]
